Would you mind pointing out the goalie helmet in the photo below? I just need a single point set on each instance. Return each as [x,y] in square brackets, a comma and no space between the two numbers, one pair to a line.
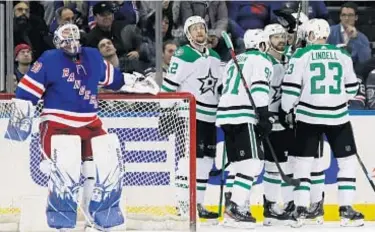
[253,39]
[192,20]
[66,37]
[319,28]
[276,29]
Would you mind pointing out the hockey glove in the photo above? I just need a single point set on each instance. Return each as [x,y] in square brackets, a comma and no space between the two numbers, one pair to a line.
[264,126]
[287,120]
[137,83]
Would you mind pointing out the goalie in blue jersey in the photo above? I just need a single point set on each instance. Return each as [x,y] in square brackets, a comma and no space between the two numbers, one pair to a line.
[73,141]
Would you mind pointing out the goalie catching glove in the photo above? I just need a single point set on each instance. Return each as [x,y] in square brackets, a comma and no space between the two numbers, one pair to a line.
[138,83]
[20,120]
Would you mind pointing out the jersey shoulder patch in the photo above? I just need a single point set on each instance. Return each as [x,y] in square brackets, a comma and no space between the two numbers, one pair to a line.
[187,54]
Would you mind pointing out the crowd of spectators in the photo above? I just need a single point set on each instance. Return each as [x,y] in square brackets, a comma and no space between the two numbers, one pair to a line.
[124,31]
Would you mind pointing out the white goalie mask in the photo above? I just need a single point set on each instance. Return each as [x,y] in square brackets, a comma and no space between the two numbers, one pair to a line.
[254,38]
[66,37]
[318,29]
[279,32]
[191,21]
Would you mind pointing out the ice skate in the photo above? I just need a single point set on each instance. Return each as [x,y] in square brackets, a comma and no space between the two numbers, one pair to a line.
[299,216]
[210,218]
[315,213]
[289,207]
[350,218]
[274,215]
[238,217]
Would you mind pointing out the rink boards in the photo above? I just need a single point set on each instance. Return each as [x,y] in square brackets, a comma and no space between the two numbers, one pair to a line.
[150,163]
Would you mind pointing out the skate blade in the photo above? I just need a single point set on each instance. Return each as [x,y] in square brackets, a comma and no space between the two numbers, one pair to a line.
[209,222]
[297,224]
[230,223]
[276,222]
[316,221]
[351,223]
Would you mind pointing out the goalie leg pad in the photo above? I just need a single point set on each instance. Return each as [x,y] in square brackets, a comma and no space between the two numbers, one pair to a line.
[64,182]
[104,206]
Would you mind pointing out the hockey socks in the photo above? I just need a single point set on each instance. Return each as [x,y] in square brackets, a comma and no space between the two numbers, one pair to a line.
[346,180]
[245,171]
[317,181]
[287,189]
[204,166]
[302,169]
[271,181]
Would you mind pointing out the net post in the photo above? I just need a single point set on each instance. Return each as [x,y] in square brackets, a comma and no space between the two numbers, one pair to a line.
[192,179]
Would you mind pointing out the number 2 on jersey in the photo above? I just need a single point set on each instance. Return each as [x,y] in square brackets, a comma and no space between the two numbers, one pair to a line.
[321,67]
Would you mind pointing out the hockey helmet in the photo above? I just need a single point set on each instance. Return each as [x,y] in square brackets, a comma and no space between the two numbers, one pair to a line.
[319,28]
[190,22]
[67,37]
[253,38]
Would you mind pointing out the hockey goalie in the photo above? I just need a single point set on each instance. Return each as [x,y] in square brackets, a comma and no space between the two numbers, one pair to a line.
[72,139]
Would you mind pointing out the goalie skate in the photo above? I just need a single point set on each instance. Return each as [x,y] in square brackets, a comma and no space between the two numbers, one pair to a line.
[238,217]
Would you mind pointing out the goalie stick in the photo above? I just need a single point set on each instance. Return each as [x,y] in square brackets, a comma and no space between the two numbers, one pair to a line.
[228,42]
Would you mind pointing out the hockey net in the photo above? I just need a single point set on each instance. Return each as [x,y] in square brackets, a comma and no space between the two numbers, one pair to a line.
[157,135]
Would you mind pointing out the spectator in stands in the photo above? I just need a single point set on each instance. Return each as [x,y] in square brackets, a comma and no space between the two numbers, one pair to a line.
[63,15]
[244,15]
[122,10]
[29,29]
[108,51]
[107,27]
[23,58]
[346,33]
[76,13]
[316,9]
[169,47]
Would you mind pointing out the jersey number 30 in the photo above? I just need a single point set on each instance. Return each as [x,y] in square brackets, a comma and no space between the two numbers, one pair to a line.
[317,88]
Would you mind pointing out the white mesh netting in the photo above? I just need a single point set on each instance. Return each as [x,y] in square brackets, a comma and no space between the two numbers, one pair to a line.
[155,141]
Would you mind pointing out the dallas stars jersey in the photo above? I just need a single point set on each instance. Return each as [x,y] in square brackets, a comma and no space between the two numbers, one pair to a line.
[199,74]
[322,79]
[275,91]
[234,104]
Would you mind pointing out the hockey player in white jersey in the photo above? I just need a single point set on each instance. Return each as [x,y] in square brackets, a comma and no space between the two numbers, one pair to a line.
[242,131]
[281,138]
[196,69]
[319,82]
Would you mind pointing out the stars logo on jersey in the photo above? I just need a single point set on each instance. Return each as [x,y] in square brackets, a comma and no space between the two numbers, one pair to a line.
[208,83]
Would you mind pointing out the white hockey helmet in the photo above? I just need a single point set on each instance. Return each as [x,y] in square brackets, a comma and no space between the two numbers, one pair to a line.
[302,22]
[253,38]
[66,37]
[274,29]
[317,27]
[191,21]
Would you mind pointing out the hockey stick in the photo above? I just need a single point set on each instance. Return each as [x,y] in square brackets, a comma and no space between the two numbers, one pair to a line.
[297,25]
[367,174]
[222,181]
[228,42]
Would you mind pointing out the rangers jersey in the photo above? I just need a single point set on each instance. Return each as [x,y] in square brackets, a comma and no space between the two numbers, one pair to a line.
[69,88]
[319,81]
[199,74]
[234,105]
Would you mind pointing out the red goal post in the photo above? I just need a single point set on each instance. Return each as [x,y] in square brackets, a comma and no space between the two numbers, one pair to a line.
[157,152]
